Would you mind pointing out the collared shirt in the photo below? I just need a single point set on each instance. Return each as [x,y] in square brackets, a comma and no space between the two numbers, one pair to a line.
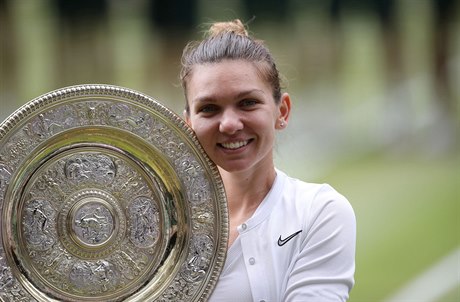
[298,246]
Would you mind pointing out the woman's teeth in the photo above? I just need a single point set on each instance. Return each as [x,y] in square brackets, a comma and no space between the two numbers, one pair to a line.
[234,145]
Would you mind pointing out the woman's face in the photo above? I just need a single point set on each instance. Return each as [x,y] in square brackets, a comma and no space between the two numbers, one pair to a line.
[234,115]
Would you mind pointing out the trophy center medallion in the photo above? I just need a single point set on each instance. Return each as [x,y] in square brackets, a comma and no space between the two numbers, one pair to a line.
[92,222]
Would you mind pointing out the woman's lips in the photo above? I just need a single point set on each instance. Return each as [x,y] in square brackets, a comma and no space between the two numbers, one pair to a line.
[234,145]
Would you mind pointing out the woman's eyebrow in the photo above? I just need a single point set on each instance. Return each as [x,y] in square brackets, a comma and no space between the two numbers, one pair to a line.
[213,99]
[204,99]
[248,92]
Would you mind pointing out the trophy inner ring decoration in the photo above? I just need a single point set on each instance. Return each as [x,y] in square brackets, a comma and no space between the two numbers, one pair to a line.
[91,224]
[106,195]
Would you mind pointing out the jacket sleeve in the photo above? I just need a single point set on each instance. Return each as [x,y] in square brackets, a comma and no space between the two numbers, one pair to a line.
[323,269]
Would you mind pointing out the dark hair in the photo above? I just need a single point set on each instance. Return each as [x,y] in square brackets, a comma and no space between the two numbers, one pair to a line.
[230,41]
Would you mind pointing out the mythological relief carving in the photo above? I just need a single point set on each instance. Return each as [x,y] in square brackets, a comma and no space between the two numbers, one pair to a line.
[42,127]
[38,224]
[94,113]
[90,167]
[198,261]
[198,187]
[50,184]
[144,218]
[93,223]
[126,117]
[94,277]
[200,191]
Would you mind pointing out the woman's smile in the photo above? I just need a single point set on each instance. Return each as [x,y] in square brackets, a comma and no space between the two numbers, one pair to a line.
[234,145]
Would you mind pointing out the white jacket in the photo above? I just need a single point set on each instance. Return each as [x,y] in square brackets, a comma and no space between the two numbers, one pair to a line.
[300,244]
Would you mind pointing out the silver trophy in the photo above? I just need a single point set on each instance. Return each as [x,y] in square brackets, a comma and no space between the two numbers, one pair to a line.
[106,195]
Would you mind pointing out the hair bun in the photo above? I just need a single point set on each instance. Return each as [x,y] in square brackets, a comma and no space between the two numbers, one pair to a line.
[235,26]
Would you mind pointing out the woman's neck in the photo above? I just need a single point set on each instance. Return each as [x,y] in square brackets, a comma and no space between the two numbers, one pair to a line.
[245,190]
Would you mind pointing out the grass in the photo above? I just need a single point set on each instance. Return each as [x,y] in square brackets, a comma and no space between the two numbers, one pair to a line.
[408,215]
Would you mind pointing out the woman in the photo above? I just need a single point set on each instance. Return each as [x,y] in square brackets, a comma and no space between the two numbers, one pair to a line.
[289,240]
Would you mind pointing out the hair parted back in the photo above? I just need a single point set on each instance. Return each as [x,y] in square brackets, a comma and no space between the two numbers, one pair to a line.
[230,41]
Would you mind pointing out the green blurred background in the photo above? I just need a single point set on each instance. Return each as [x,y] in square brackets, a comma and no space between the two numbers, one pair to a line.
[375,86]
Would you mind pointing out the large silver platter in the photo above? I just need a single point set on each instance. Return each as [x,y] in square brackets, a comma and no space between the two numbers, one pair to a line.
[106,195]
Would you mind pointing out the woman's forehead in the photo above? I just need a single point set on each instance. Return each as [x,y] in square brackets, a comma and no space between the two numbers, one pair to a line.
[225,77]
[229,71]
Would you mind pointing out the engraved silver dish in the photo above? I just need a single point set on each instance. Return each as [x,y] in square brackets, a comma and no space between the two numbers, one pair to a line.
[106,195]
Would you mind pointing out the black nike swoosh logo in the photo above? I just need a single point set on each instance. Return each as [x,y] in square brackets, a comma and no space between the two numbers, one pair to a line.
[282,242]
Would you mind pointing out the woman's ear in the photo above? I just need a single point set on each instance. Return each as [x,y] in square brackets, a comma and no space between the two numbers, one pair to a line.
[284,111]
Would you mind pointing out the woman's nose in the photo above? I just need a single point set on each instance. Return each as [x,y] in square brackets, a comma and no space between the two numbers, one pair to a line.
[230,122]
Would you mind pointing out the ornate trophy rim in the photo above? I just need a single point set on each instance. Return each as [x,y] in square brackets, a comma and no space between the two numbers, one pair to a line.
[107,195]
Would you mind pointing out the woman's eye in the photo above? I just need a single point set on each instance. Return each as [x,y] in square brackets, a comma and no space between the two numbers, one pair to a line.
[208,109]
[248,103]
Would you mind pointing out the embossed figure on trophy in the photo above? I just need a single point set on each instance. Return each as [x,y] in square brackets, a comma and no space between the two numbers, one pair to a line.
[199,260]
[90,167]
[144,229]
[190,171]
[92,113]
[42,127]
[194,269]
[79,275]
[38,221]
[144,218]
[94,227]
[76,169]
[47,182]
[105,168]
[198,189]
[122,114]
[104,274]
[93,277]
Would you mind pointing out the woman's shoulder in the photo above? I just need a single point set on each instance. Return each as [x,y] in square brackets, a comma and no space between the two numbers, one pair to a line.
[311,195]
[299,186]
[317,202]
